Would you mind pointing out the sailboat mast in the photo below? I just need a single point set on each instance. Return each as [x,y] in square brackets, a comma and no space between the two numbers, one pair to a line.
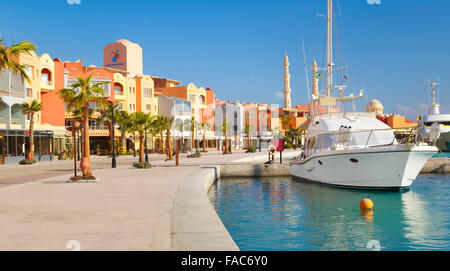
[329,47]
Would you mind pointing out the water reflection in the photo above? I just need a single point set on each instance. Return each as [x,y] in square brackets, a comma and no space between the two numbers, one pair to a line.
[426,219]
[274,214]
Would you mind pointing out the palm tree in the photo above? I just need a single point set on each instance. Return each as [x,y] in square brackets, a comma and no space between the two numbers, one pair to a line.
[168,125]
[226,127]
[205,126]
[285,121]
[8,54]
[76,118]
[193,125]
[123,119]
[81,94]
[141,122]
[29,110]
[159,127]
[107,117]
[248,131]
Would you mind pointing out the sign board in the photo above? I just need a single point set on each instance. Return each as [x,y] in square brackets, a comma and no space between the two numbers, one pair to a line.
[278,143]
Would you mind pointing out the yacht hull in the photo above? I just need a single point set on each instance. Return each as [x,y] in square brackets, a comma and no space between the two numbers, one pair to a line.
[443,143]
[386,168]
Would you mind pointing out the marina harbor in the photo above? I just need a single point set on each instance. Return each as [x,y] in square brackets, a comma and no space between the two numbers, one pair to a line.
[227,135]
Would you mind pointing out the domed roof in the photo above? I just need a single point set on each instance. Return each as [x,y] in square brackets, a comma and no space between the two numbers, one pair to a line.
[375,106]
[124,41]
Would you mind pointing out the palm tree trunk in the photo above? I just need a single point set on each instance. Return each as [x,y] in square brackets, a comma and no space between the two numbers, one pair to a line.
[204,140]
[30,157]
[111,138]
[123,139]
[193,139]
[226,143]
[87,148]
[163,150]
[141,148]
[169,144]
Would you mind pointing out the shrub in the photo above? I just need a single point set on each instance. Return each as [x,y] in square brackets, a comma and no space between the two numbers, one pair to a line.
[287,146]
[142,165]
[197,154]
[251,149]
[26,162]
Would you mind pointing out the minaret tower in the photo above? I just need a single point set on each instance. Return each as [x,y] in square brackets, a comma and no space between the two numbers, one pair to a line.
[287,84]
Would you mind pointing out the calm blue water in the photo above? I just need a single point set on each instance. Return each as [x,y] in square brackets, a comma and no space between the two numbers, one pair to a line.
[442,154]
[285,214]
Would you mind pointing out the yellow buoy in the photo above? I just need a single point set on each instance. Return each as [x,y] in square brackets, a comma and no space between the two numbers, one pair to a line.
[366,204]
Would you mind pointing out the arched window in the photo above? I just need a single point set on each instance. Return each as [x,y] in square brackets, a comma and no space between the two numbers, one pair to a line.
[118,89]
[46,77]
[202,100]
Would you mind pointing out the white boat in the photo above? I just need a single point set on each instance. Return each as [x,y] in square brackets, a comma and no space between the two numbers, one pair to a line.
[354,150]
[434,117]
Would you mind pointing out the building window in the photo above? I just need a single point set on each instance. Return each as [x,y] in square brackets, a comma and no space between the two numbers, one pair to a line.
[118,89]
[106,89]
[46,77]
[147,93]
[93,105]
[29,71]
[29,92]
[149,107]
[202,100]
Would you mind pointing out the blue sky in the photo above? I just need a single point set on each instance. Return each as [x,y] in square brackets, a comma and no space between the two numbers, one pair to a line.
[236,47]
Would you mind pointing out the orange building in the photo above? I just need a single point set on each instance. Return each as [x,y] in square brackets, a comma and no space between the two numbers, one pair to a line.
[397,121]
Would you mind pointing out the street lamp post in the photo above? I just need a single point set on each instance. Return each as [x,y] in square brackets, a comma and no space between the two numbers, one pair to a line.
[114,165]
[146,151]
[259,141]
[79,142]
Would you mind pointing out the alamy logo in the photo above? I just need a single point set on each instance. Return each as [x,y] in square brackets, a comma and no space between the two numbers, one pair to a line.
[71,2]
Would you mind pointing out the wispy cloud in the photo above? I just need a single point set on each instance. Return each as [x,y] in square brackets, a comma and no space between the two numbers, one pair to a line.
[374,2]
[411,111]
[279,94]
[72,2]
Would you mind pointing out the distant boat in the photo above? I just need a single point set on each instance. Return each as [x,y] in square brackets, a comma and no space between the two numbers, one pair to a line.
[354,150]
[434,120]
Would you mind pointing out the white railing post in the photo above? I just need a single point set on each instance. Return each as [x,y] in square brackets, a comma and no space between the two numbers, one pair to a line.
[367,143]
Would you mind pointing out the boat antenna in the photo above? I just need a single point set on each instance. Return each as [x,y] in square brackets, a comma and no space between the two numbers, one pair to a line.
[329,67]
[306,70]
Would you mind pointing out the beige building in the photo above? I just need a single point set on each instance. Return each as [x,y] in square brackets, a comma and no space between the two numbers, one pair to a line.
[124,55]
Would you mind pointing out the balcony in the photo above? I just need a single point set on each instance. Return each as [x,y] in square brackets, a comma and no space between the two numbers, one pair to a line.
[119,96]
[46,85]
[11,84]
[16,121]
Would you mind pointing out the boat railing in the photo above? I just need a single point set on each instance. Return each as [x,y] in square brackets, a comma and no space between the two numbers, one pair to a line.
[345,139]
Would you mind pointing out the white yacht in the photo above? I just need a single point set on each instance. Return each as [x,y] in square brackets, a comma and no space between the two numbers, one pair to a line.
[354,150]
[435,117]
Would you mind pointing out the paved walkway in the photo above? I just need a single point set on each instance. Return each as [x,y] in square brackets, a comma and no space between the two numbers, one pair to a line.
[129,209]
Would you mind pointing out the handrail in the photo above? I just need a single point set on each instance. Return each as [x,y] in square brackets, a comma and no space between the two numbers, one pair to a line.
[345,145]
[358,130]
